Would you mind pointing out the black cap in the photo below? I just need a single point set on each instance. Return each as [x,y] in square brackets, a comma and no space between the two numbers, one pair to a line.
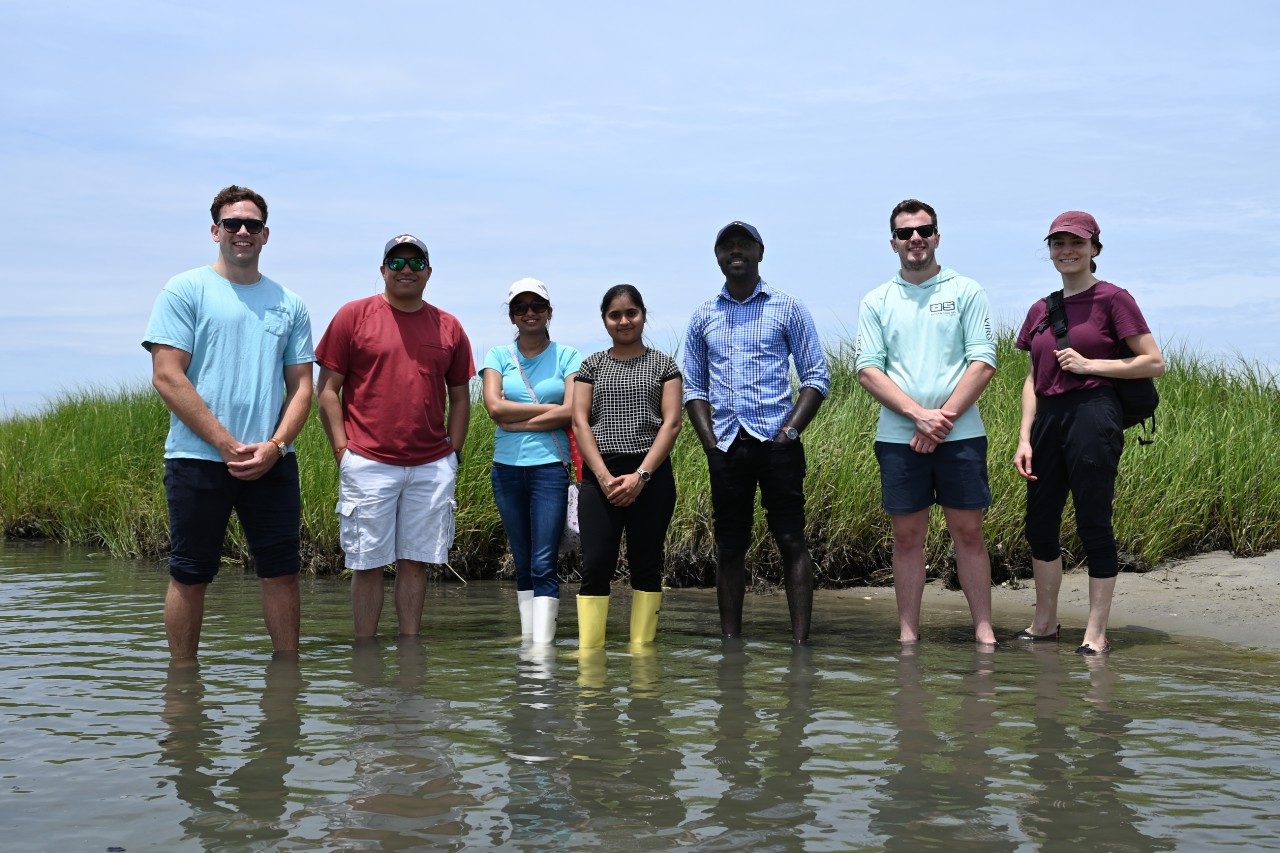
[742,226]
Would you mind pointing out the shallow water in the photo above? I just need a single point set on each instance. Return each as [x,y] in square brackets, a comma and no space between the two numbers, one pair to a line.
[462,741]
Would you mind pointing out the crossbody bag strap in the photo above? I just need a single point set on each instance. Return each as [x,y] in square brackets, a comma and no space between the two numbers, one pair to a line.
[567,459]
[1057,319]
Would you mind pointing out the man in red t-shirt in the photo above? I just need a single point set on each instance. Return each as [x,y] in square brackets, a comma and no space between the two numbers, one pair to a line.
[390,365]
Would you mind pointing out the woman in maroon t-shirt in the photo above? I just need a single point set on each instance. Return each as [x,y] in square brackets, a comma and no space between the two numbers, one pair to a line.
[1071,424]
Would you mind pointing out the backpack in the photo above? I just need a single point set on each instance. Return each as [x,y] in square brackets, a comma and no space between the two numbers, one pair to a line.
[1138,397]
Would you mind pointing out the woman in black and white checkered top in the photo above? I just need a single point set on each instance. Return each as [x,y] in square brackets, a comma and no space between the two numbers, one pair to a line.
[626,416]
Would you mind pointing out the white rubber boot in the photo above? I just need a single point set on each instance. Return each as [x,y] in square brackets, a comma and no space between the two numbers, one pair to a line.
[524,598]
[545,610]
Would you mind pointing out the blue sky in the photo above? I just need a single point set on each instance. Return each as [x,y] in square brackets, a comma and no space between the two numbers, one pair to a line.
[589,144]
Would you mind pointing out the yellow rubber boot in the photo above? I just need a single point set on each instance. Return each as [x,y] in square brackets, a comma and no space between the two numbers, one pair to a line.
[644,617]
[593,613]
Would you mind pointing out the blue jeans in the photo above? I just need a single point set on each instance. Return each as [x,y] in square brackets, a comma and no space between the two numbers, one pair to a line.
[531,500]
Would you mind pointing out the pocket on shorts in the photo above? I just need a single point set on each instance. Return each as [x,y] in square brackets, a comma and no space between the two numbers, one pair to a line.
[449,527]
[349,526]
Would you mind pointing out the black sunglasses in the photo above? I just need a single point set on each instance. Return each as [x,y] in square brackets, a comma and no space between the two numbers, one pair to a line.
[537,306]
[233,226]
[925,231]
[415,264]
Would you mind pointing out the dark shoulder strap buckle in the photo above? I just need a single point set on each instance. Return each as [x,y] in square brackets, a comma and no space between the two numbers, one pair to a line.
[1056,319]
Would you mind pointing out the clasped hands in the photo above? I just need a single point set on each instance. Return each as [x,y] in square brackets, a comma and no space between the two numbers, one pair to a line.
[623,490]
[932,428]
[250,461]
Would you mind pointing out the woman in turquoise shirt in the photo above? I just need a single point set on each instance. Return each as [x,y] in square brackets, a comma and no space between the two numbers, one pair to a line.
[528,391]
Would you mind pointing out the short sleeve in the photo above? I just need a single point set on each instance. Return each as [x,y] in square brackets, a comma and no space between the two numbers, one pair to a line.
[670,370]
[334,351]
[173,319]
[1035,316]
[496,360]
[1126,316]
[570,360]
[461,367]
[587,370]
[299,349]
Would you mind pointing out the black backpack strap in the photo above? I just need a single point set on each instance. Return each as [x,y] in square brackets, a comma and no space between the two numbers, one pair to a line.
[1057,319]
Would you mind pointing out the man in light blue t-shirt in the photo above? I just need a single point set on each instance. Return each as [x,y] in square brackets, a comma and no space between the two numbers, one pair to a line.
[926,351]
[231,357]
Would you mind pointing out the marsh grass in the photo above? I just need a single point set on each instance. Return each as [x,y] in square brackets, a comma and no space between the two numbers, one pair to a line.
[88,469]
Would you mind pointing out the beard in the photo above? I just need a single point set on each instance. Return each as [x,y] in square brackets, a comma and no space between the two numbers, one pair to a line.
[915,266]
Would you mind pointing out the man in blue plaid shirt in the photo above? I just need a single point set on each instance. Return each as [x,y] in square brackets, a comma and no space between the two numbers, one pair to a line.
[737,359]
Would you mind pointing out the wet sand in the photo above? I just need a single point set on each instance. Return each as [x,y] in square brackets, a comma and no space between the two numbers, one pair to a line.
[1211,595]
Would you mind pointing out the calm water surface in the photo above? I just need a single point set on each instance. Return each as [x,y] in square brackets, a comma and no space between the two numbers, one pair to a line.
[463,741]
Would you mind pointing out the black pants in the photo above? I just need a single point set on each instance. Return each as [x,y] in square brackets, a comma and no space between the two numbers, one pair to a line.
[1076,442]
[645,523]
[778,471]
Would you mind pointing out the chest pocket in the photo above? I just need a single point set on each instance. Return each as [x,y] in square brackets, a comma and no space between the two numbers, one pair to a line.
[276,321]
[433,359]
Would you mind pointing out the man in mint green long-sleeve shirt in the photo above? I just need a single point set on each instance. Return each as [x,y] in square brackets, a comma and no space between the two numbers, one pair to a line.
[926,352]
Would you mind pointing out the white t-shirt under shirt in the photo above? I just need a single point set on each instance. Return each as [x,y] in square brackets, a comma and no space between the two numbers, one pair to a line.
[547,371]
[626,399]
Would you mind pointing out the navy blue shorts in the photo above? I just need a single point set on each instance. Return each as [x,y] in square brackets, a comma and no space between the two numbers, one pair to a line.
[201,495]
[953,476]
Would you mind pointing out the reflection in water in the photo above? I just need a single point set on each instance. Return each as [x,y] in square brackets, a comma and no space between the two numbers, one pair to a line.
[540,808]
[623,764]
[1077,769]
[941,789]
[408,791]
[256,793]
[456,745]
[259,784]
[762,762]
[187,747]
[652,799]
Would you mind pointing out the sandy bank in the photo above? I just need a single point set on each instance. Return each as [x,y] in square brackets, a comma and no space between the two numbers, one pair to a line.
[1211,595]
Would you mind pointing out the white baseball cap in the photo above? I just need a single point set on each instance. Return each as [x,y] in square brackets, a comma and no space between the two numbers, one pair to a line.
[527,285]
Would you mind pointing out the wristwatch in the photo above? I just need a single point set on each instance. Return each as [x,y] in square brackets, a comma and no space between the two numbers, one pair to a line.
[645,476]
[791,433]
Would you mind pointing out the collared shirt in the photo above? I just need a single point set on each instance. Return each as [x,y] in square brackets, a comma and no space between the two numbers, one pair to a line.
[737,358]
[924,337]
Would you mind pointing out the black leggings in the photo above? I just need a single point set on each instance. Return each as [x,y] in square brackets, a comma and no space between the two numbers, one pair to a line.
[645,522]
[1076,442]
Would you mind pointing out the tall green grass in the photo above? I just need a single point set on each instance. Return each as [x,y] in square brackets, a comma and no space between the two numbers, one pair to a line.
[88,469]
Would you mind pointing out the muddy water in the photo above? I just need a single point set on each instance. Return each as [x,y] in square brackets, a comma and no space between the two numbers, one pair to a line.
[465,741]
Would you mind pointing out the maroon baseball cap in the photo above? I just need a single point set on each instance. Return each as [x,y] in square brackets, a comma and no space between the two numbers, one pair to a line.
[1075,222]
